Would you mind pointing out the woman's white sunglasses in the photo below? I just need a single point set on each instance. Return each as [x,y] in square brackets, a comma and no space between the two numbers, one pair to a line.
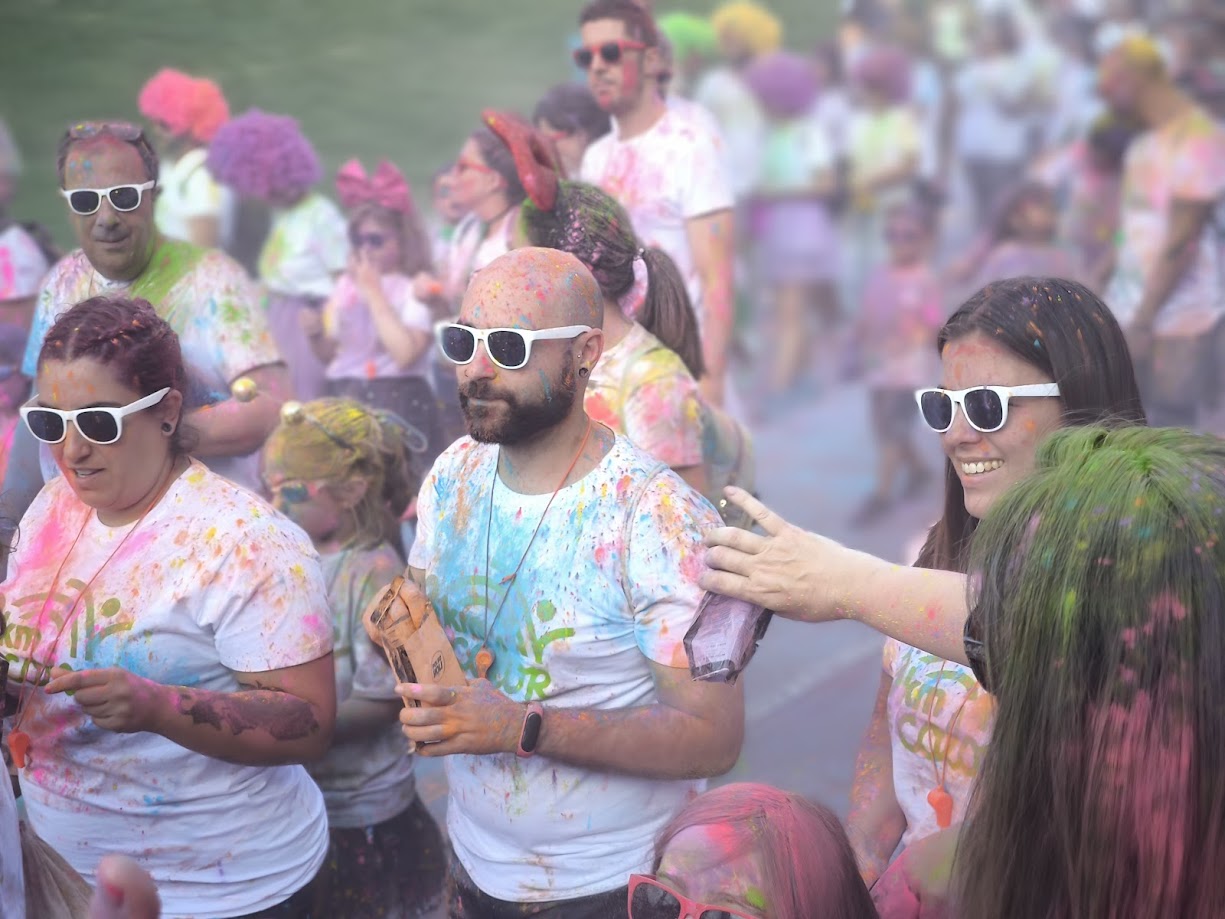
[86,201]
[985,407]
[510,349]
[101,424]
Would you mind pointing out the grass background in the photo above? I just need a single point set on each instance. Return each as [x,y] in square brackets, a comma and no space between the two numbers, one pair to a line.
[405,79]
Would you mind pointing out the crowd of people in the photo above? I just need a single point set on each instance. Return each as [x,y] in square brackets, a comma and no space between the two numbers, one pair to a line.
[531,407]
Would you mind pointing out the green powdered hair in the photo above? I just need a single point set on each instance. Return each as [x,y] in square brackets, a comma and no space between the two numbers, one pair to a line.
[1098,589]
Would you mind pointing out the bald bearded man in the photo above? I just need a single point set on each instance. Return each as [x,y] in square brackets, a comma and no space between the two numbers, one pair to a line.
[564,561]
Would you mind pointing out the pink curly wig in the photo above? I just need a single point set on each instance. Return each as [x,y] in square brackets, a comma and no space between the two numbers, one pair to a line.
[264,156]
[189,106]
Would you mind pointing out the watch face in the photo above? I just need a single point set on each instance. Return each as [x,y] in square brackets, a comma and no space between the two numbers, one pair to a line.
[531,732]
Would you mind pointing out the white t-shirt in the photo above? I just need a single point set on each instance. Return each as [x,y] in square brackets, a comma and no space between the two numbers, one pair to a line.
[664,177]
[723,93]
[609,587]
[986,89]
[186,191]
[212,582]
[307,246]
[22,264]
[360,354]
[364,782]
[12,881]
[470,249]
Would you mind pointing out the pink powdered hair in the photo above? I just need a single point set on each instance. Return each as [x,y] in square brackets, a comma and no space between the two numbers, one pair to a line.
[808,866]
[264,156]
[189,106]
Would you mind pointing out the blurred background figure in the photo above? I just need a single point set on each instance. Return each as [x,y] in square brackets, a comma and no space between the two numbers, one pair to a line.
[186,112]
[794,237]
[694,48]
[26,251]
[267,157]
[569,118]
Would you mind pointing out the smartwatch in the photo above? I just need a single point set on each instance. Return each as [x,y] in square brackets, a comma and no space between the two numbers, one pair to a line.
[529,737]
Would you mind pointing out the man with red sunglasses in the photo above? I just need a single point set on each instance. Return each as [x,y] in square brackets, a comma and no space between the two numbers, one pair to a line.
[665,165]
[108,179]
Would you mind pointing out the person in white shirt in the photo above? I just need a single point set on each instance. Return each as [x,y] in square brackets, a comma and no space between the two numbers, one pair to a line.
[563,564]
[186,112]
[666,168]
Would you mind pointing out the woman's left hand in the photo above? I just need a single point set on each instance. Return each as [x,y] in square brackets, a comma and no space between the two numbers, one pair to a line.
[115,699]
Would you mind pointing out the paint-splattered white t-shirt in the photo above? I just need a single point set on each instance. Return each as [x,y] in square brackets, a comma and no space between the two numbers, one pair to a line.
[664,177]
[212,582]
[22,264]
[609,587]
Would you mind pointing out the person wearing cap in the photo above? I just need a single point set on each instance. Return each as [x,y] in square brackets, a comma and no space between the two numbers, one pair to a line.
[108,177]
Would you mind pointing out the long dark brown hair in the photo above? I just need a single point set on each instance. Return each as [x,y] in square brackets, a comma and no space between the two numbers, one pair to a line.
[1061,328]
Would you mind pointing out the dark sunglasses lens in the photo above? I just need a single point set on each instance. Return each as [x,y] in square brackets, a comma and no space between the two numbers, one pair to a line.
[937,410]
[458,344]
[84,202]
[373,240]
[45,426]
[295,494]
[125,198]
[651,902]
[100,427]
[611,52]
[508,348]
[583,58]
[984,409]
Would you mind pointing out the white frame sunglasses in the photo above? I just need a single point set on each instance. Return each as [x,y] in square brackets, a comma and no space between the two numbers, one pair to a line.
[116,413]
[106,193]
[483,335]
[1004,393]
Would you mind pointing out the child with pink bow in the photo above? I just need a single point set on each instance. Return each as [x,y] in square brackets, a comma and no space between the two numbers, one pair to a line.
[374,335]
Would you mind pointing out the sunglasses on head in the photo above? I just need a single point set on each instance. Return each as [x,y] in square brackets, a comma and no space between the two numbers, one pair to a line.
[610,52]
[102,425]
[123,130]
[509,349]
[650,899]
[985,407]
[86,201]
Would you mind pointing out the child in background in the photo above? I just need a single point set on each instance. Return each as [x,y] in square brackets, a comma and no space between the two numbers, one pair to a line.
[796,241]
[268,158]
[14,389]
[901,312]
[1021,242]
[374,335]
[340,471]
[883,157]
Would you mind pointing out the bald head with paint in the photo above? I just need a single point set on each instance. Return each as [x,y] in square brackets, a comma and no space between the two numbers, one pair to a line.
[530,290]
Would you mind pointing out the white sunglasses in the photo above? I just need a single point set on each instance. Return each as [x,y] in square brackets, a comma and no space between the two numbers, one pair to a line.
[86,201]
[101,424]
[510,349]
[985,407]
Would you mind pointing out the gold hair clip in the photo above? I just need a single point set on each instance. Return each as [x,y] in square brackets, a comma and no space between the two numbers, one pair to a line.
[294,413]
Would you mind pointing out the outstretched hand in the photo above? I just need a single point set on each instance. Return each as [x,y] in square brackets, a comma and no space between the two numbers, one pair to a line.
[786,570]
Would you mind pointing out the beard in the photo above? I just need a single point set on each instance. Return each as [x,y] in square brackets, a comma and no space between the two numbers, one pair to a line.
[518,419]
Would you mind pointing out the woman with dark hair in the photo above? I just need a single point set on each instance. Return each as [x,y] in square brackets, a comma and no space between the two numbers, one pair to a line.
[644,385]
[748,851]
[568,116]
[1100,794]
[169,639]
[488,189]
[1020,359]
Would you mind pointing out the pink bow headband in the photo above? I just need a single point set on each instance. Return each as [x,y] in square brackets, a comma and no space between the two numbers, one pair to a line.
[386,188]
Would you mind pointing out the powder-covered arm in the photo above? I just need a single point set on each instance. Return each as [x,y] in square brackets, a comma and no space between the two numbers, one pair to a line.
[807,577]
[279,716]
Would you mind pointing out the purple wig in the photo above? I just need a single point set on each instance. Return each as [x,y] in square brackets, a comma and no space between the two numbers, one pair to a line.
[264,156]
[884,69]
[785,84]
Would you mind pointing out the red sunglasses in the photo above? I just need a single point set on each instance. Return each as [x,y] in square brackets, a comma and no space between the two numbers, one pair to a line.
[649,899]
[610,52]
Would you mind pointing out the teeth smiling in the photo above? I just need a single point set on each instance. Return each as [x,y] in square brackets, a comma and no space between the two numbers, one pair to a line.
[980,468]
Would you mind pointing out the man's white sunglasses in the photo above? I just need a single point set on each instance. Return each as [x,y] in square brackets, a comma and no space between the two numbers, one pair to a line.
[86,201]
[510,349]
